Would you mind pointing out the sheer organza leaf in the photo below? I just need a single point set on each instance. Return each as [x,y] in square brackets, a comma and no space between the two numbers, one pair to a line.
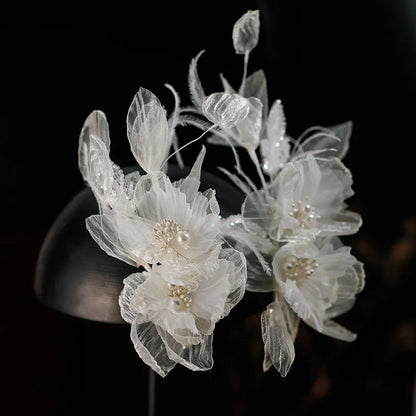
[95,125]
[279,327]
[246,32]
[256,86]
[148,130]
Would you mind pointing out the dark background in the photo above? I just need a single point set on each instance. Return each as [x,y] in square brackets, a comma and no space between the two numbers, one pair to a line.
[328,62]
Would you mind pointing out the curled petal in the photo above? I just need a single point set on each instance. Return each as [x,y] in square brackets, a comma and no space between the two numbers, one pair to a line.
[126,298]
[246,32]
[225,110]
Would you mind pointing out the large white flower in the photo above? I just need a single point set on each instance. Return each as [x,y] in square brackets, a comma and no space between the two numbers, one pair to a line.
[305,200]
[173,223]
[173,311]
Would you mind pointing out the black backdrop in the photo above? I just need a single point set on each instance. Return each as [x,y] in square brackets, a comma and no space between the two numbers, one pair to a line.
[328,62]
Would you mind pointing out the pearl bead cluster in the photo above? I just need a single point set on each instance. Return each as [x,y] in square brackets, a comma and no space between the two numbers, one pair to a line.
[181,296]
[169,234]
[304,212]
[299,268]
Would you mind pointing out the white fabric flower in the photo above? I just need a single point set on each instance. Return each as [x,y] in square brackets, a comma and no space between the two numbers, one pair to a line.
[319,281]
[173,311]
[173,223]
[305,200]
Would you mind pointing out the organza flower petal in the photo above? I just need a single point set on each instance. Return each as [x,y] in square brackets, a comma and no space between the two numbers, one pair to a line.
[122,237]
[258,212]
[150,346]
[195,357]
[126,299]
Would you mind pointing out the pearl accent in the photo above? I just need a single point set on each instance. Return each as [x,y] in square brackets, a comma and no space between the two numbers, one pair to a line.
[181,297]
[298,269]
[304,212]
[171,236]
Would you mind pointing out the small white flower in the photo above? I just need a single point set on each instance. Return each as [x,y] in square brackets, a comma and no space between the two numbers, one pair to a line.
[319,280]
[179,309]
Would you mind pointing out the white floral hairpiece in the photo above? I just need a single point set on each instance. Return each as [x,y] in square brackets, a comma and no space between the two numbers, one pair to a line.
[193,265]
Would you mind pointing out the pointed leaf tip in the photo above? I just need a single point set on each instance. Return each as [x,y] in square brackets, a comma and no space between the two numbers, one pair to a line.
[246,32]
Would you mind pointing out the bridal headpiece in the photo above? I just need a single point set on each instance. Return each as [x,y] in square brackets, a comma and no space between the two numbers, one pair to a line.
[193,266]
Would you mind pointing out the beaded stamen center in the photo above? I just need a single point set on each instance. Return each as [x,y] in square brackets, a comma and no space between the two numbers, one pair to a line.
[304,212]
[298,269]
[181,297]
[171,236]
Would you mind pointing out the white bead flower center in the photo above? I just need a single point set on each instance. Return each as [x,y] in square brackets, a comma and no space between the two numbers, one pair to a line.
[181,297]
[171,236]
[298,269]
[304,212]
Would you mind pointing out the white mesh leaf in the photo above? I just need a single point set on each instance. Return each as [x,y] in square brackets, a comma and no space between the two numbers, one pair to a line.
[95,125]
[148,130]
[279,327]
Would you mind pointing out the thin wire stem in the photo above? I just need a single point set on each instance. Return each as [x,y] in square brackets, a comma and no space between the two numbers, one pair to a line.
[187,144]
[151,392]
[243,82]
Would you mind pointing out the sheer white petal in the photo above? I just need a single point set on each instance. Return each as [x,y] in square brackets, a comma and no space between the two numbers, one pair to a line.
[150,346]
[195,357]
[258,210]
[126,298]
[148,130]
[247,131]
[246,32]
[121,237]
